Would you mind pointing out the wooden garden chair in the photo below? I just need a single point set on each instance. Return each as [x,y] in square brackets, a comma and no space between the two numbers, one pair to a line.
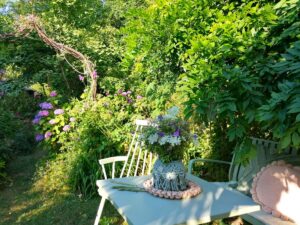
[240,177]
[136,163]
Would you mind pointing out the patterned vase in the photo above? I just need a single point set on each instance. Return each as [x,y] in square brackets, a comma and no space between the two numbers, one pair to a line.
[169,176]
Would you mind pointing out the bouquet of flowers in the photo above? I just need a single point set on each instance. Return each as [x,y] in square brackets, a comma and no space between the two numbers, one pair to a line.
[168,136]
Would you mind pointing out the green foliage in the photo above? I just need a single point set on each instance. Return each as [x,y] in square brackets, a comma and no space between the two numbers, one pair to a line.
[3,175]
[281,113]
[233,66]
[15,137]
[101,129]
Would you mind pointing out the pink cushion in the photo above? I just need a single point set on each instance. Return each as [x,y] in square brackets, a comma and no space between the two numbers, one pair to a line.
[277,189]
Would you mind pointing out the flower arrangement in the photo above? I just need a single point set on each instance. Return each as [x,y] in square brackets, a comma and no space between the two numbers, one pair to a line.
[168,136]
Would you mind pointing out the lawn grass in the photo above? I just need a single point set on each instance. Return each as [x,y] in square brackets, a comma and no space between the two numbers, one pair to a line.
[24,202]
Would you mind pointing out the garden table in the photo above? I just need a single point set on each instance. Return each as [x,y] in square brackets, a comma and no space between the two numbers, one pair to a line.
[141,208]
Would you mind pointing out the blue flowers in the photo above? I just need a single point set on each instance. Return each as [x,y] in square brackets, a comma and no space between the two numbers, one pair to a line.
[167,130]
[176,133]
[36,119]
[46,105]
[39,137]
[161,134]
[43,113]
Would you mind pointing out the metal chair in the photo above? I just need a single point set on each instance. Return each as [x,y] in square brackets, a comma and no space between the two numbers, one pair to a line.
[240,177]
[138,161]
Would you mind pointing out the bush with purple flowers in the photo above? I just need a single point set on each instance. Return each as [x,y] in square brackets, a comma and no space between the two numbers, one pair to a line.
[51,122]
[168,136]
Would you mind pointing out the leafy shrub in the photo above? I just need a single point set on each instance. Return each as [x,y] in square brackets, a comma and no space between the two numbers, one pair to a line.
[3,175]
[99,129]
[233,65]
[15,137]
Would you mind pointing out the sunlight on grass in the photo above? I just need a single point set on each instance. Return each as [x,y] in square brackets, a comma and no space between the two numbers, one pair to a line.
[28,202]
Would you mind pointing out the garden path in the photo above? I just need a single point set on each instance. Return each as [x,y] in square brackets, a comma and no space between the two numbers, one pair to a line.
[25,203]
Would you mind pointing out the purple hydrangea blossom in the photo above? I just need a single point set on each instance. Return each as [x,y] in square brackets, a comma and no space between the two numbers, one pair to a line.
[124,93]
[176,133]
[43,113]
[94,74]
[66,128]
[72,119]
[81,78]
[46,105]
[53,94]
[39,137]
[52,122]
[58,111]
[36,120]
[128,92]
[139,97]
[48,134]
[161,134]
[37,116]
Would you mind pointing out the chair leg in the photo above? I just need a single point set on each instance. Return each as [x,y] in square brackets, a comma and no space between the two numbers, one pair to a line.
[99,212]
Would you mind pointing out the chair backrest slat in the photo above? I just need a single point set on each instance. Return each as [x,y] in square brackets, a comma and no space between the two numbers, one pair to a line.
[132,157]
[129,150]
[113,170]
[144,162]
[104,171]
[137,160]
[150,163]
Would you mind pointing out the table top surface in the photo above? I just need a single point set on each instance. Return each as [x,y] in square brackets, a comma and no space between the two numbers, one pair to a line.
[141,208]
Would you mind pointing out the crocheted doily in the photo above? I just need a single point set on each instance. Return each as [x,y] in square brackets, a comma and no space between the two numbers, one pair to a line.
[192,191]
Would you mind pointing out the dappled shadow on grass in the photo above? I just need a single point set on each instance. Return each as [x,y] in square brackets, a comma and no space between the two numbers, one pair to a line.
[25,203]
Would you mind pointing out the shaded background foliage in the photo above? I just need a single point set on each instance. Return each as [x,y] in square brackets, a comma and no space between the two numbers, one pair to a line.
[233,66]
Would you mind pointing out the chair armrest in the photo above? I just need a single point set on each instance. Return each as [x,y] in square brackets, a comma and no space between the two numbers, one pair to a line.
[191,163]
[112,159]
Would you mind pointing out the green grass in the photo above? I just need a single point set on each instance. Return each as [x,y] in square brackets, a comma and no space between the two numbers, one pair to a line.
[26,201]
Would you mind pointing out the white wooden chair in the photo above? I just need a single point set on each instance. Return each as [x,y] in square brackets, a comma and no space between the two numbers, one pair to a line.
[240,177]
[137,162]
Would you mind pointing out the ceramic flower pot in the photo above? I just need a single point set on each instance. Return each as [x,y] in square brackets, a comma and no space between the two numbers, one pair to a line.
[169,176]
